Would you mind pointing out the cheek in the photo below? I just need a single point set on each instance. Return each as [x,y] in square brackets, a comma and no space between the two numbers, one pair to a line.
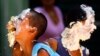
[18,29]
[91,28]
[87,28]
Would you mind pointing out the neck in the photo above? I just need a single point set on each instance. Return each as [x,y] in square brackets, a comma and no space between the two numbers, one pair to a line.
[73,44]
[75,53]
[48,8]
[27,48]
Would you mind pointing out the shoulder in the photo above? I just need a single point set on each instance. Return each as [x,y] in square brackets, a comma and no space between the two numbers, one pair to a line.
[38,9]
[43,49]
[43,52]
[57,9]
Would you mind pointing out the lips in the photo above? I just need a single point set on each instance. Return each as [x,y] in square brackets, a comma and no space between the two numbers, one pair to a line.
[91,32]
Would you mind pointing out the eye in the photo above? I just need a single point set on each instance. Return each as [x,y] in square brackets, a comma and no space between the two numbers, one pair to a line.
[91,22]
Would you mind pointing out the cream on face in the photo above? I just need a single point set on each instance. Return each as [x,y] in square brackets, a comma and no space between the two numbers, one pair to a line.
[89,23]
[16,23]
[89,26]
[79,31]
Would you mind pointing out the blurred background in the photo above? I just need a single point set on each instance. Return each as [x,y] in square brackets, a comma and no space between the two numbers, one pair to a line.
[10,8]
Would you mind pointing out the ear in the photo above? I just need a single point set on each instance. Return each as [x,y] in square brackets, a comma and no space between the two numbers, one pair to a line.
[80,22]
[33,29]
[33,32]
[53,43]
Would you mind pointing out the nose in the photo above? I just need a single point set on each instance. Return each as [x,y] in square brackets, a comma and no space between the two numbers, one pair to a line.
[95,27]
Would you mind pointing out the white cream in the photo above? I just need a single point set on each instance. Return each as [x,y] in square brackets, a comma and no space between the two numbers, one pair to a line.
[16,22]
[72,36]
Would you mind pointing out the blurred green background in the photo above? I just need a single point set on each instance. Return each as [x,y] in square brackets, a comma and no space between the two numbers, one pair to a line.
[8,8]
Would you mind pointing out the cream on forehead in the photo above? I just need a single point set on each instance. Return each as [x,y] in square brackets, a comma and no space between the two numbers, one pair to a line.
[87,9]
[24,12]
[15,22]
[22,15]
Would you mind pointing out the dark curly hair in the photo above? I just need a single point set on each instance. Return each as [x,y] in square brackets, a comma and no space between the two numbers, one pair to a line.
[75,14]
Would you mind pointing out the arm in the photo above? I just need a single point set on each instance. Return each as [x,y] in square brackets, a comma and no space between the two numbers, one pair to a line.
[52,43]
[43,52]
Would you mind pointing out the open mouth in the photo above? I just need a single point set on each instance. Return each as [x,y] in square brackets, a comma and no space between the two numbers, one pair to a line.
[91,32]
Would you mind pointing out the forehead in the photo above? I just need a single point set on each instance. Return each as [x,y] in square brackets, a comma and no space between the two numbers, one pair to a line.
[22,15]
[90,13]
[90,18]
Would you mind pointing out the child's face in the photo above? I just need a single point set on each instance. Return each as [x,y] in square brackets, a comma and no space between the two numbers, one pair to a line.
[24,32]
[88,26]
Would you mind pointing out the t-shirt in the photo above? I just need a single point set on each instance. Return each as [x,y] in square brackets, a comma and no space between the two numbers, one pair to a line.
[52,30]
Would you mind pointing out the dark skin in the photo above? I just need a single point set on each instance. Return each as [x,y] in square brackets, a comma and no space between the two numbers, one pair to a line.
[24,40]
[25,37]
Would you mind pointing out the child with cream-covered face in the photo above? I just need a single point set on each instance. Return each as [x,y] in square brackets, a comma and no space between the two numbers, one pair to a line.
[80,24]
[23,30]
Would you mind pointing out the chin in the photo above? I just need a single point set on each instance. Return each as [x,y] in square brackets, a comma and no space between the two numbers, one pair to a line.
[84,38]
[11,39]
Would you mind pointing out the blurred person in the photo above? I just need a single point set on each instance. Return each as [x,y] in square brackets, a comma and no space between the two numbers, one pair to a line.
[54,19]
[80,25]
[55,24]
